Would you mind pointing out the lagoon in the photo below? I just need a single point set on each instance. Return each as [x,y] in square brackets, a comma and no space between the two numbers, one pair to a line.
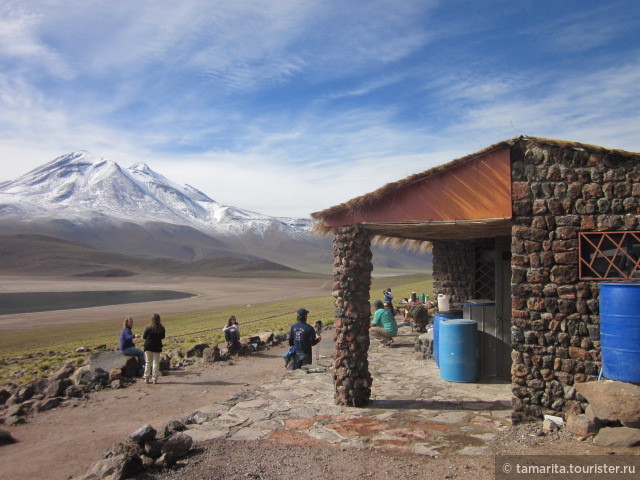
[29,302]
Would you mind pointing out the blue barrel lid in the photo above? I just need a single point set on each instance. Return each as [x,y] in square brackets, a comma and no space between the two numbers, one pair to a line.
[458,321]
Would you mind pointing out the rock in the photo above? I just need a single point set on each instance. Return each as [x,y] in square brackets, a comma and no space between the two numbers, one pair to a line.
[74,391]
[81,375]
[618,437]
[165,364]
[147,461]
[57,388]
[196,350]
[115,374]
[22,394]
[279,338]
[4,396]
[63,373]
[143,434]
[581,426]
[15,420]
[6,438]
[197,417]
[116,467]
[174,426]
[548,426]
[265,337]
[116,384]
[127,448]
[16,410]
[177,446]
[110,360]
[153,449]
[211,354]
[613,401]
[47,404]
[99,376]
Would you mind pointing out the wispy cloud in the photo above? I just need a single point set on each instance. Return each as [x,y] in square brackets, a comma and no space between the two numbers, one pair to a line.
[286,107]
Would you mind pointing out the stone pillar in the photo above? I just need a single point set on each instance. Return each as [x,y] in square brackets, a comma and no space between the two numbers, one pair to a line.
[352,281]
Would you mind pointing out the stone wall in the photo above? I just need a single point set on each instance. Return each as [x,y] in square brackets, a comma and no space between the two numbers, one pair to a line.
[453,264]
[352,281]
[558,192]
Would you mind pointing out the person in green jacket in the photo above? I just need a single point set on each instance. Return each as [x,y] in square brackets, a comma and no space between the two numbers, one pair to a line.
[384,326]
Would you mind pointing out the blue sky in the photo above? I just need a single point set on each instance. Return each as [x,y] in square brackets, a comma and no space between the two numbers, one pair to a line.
[287,107]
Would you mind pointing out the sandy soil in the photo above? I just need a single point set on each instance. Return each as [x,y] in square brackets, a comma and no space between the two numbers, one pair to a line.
[210,293]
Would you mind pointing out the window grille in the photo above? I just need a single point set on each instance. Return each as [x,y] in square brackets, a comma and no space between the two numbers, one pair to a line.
[485,273]
[609,255]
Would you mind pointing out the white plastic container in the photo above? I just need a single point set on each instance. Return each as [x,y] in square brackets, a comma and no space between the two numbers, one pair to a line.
[443,302]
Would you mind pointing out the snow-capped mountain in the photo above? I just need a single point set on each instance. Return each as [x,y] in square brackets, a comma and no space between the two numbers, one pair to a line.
[139,212]
[81,186]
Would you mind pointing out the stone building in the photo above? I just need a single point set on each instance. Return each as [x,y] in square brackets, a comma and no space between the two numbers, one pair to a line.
[532,224]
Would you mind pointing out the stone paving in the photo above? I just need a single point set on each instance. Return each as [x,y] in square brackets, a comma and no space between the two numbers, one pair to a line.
[411,408]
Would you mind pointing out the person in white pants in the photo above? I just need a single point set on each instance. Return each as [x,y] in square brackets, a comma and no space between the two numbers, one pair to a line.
[153,336]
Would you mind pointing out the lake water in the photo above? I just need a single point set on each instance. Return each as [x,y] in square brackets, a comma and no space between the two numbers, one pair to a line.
[27,302]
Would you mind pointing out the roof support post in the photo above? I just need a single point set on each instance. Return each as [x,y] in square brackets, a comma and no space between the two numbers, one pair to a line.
[352,282]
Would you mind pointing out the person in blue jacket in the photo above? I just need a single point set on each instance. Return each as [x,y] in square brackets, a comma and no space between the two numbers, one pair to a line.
[302,337]
[126,345]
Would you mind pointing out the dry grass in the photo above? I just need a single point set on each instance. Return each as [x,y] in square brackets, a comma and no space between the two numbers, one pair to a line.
[36,352]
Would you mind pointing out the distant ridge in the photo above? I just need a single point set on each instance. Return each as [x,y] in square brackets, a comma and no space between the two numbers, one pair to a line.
[45,255]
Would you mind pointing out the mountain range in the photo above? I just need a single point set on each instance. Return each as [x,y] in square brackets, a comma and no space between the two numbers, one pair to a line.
[139,213]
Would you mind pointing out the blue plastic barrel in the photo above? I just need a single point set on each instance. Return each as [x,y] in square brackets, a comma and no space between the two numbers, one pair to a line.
[439,317]
[459,350]
[620,331]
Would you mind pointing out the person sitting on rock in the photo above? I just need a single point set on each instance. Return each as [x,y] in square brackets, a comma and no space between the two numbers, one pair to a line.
[232,332]
[126,345]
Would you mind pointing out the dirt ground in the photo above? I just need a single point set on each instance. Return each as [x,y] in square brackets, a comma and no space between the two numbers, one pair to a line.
[209,293]
[63,443]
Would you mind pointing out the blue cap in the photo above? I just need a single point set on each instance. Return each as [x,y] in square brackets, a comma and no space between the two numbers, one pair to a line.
[302,311]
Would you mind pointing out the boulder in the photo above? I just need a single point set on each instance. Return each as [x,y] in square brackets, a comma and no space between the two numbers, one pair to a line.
[64,372]
[127,448]
[144,434]
[74,391]
[165,364]
[153,449]
[612,401]
[99,376]
[4,395]
[47,404]
[581,425]
[196,350]
[211,354]
[174,426]
[177,446]
[82,375]
[108,361]
[618,437]
[116,467]
[22,394]
[57,388]
[6,438]
[115,374]
[279,338]
[266,337]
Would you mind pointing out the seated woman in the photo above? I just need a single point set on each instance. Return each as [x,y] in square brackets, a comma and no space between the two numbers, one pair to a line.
[384,326]
[126,345]
[232,331]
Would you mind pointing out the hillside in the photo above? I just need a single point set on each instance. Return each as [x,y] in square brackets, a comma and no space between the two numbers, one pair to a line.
[46,256]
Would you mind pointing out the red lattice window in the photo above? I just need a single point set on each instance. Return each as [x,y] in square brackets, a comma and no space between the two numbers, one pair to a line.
[609,255]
